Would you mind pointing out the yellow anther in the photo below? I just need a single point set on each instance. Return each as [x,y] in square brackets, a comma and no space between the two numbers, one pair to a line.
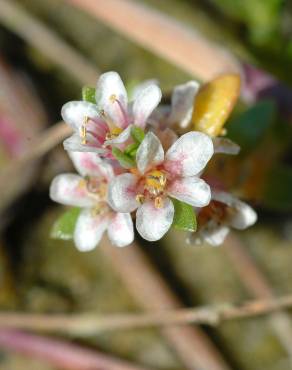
[113,98]
[83,131]
[114,132]
[140,198]
[156,179]
[158,202]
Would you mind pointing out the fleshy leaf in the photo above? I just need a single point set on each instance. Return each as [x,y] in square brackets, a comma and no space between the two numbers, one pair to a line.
[250,127]
[64,226]
[214,103]
[137,134]
[88,94]
[184,216]
[124,159]
[131,150]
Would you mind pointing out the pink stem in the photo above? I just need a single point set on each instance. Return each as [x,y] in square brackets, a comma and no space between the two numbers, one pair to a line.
[59,353]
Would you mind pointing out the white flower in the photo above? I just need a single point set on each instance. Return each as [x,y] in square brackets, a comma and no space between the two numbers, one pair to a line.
[89,191]
[109,121]
[223,212]
[179,113]
[159,177]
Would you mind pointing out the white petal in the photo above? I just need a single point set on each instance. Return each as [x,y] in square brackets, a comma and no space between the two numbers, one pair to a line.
[74,113]
[241,215]
[146,101]
[182,102]
[70,189]
[90,164]
[191,190]
[122,193]
[244,217]
[89,230]
[189,154]
[122,138]
[215,236]
[141,86]
[120,229]
[150,153]
[151,222]
[111,97]
[226,146]
[73,144]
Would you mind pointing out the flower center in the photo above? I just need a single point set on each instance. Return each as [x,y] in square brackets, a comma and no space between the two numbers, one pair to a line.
[114,132]
[215,211]
[96,188]
[155,183]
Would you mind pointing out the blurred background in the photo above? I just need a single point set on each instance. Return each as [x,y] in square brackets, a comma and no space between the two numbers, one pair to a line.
[48,50]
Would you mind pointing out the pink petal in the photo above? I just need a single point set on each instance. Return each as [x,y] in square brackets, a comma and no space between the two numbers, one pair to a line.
[89,229]
[145,102]
[111,97]
[120,229]
[151,222]
[70,189]
[90,164]
[189,154]
[122,193]
[191,190]
[150,153]
[74,113]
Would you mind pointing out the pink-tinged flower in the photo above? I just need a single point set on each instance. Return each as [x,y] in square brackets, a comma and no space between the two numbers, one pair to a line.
[159,177]
[108,122]
[89,192]
[223,213]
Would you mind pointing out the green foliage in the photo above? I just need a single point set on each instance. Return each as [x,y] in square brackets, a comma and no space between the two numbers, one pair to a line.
[249,128]
[184,216]
[124,159]
[88,94]
[277,192]
[63,227]
[137,134]
[131,150]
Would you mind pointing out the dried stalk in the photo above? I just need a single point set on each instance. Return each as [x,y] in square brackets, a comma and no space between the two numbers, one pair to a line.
[162,35]
[89,324]
[257,284]
[59,353]
[153,294]
[35,33]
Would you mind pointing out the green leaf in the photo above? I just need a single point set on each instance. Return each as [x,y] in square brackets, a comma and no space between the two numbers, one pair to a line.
[137,134]
[88,94]
[277,192]
[64,226]
[250,127]
[131,150]
[124,159]
[184,216]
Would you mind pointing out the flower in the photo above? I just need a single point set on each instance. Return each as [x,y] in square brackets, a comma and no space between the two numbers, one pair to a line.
[109,121]
[157,177]
[223,212]
[89,191]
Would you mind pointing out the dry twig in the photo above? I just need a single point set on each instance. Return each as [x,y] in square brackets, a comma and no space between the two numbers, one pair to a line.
[89,324]
[35,33]
[162,35]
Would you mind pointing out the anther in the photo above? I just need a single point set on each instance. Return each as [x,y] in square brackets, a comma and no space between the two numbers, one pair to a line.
[158,202]
[140,198]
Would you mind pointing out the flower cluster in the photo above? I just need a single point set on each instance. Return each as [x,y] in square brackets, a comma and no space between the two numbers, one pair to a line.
[134,163]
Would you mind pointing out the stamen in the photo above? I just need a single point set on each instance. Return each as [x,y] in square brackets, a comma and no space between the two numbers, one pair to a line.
[140,198]
[113,98]
[83,130]
[155,182]
[158,202]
